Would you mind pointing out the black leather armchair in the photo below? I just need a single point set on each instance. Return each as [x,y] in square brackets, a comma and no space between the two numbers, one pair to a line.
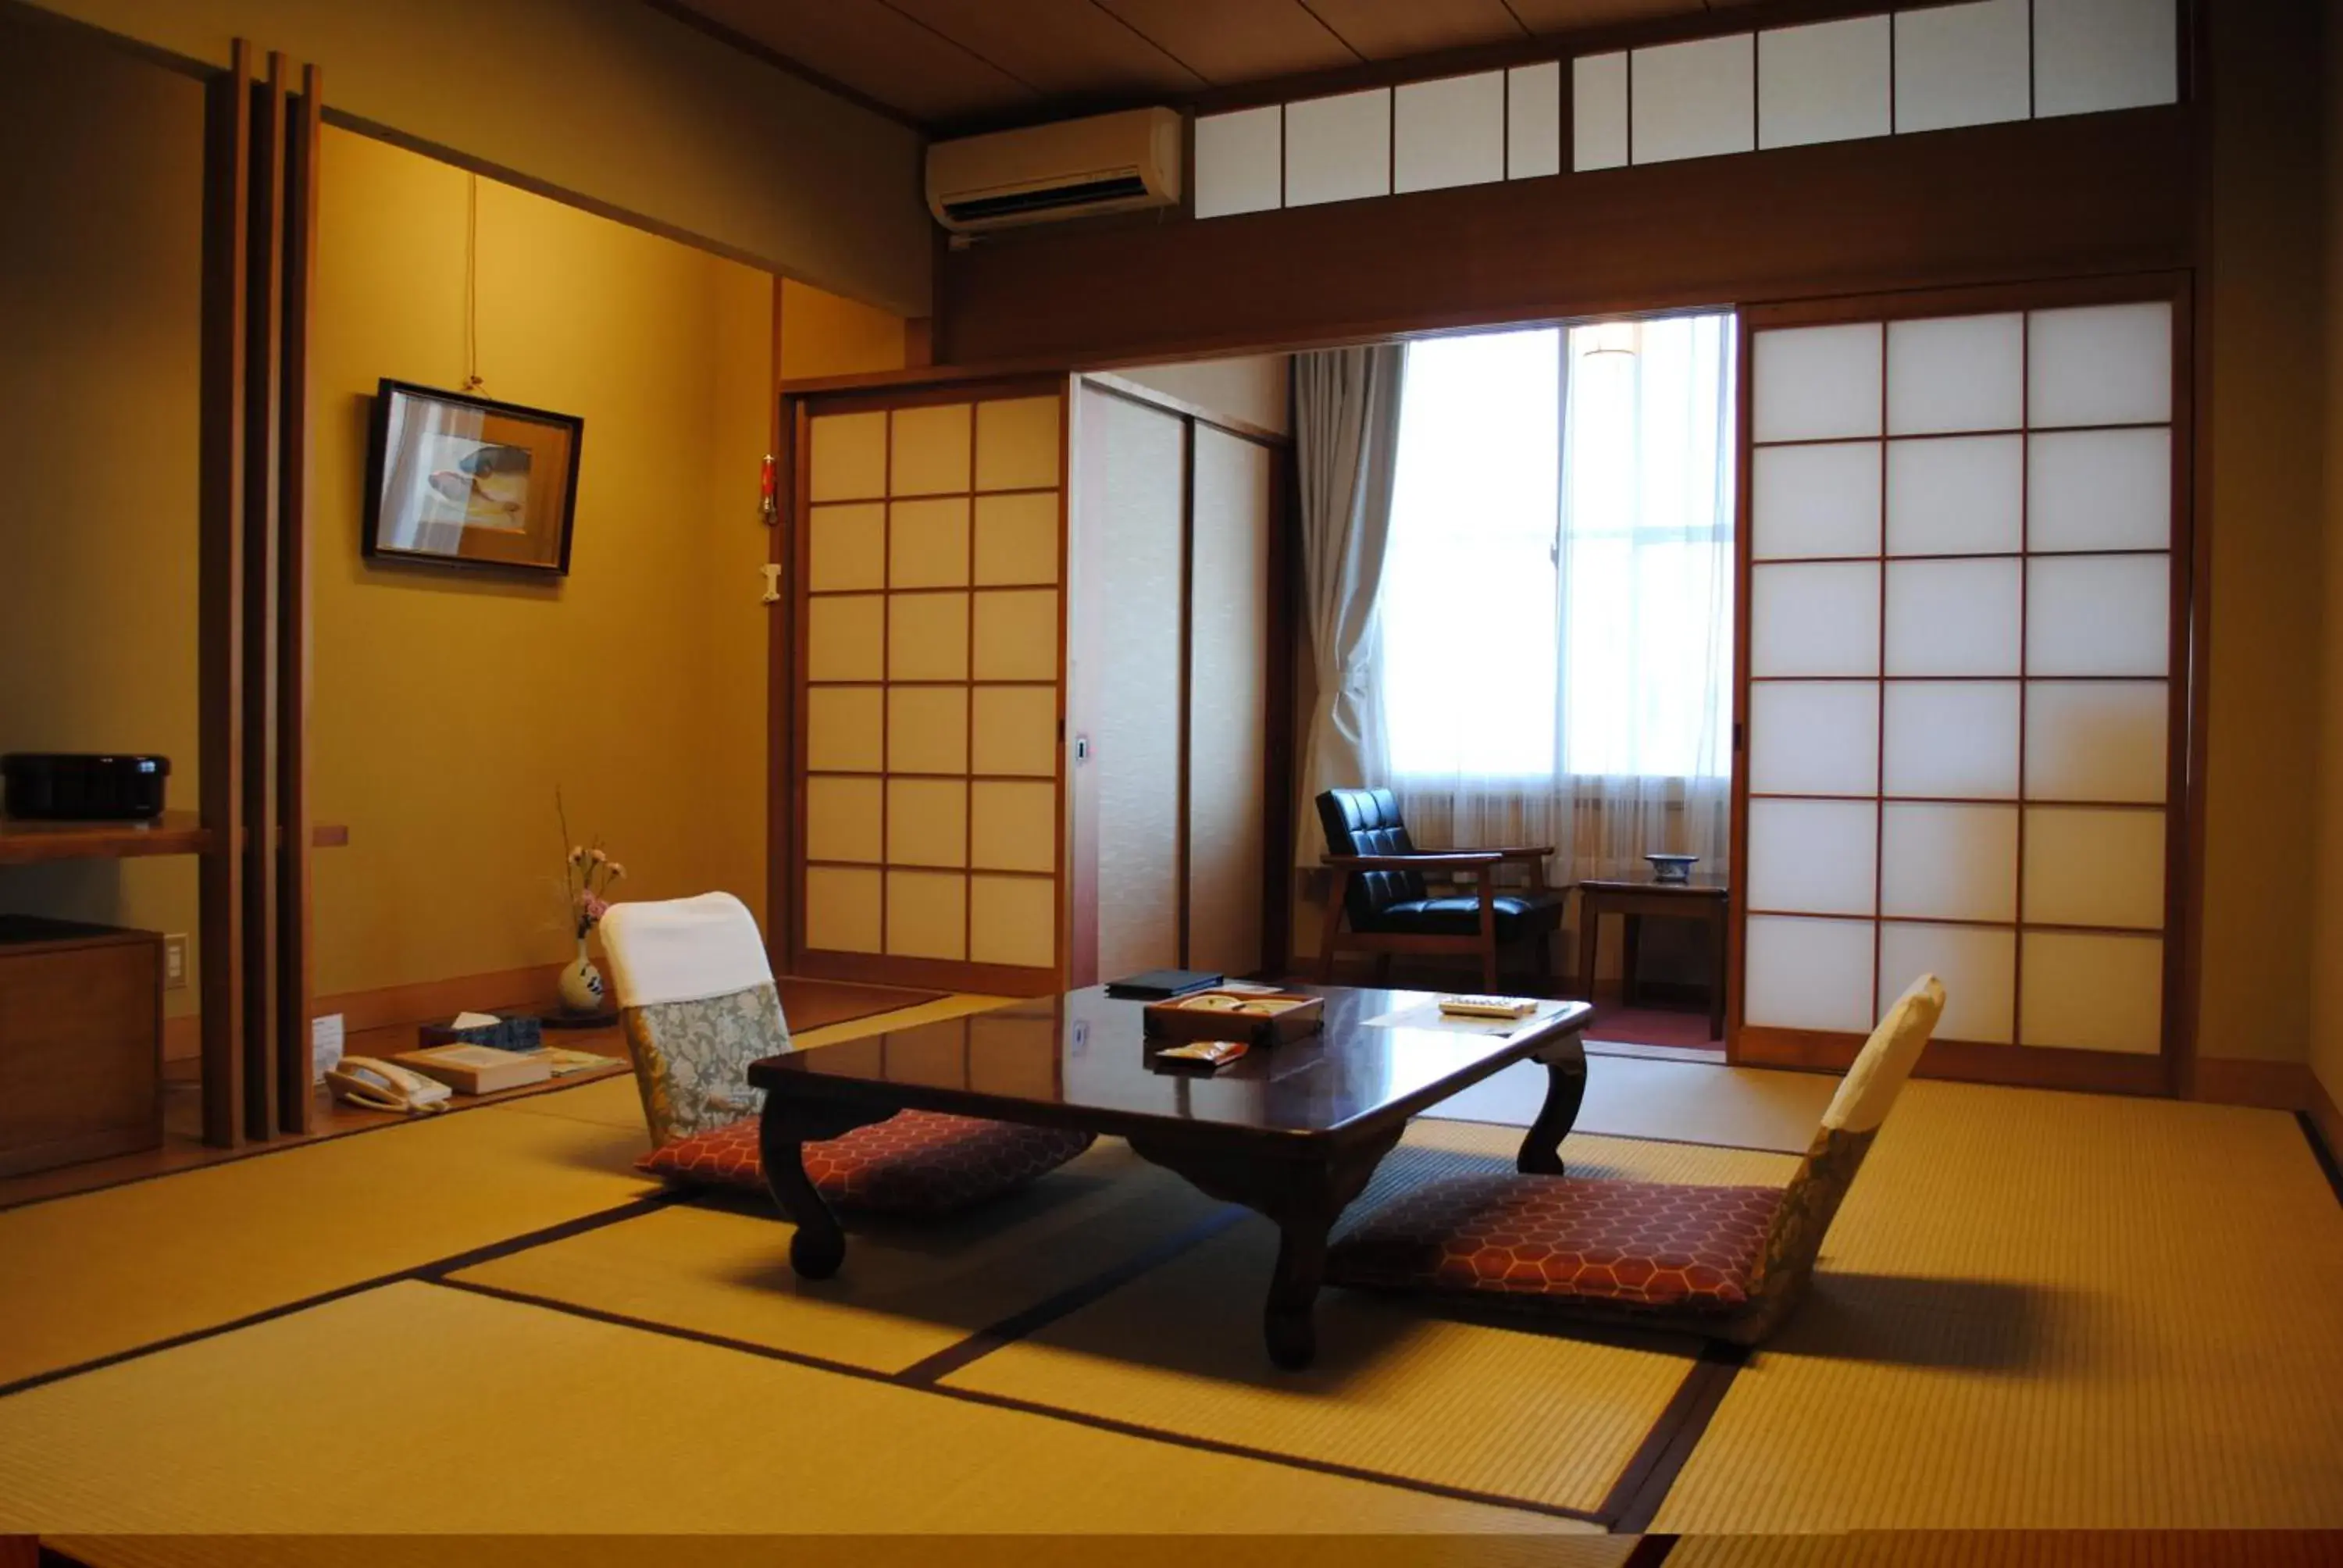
[1378,882]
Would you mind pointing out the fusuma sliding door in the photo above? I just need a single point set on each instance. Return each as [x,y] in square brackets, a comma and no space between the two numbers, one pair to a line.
[927,685]
[1963,676]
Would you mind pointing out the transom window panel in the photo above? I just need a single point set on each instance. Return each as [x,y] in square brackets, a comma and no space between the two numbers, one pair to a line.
[1929,68]
[2004,635]
[931,670]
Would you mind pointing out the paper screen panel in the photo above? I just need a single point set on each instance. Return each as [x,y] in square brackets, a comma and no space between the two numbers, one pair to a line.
[1956,495]
[845,638]
[1819,738]
[1943,863]
[2098,615]
[1014,827]
[1962,65]
[926,543]
[1012,921]
[1338,148]
[1813,857]
[1017,442]
[842,909]
[2091,866]
[1819,500]
[1449,132]
[1017,634]
[1829,82]
[1955,373]
[2091,55]
[2100,490]
[1817,383]
[842,820]
[1017,538]
[1693,100]
[927,637]
[1598,112]
[1240,161]
[1015,730]
[848,458]
[1533,121]
[928,453]
[927,821]
[2100,364]
[1807,974]
[2088,993]
[1978,968]
[2097,740]
[926,914]
[1952,739]
[846,729]
[927,729]
[1955,618]
[848,546]
[1811,620]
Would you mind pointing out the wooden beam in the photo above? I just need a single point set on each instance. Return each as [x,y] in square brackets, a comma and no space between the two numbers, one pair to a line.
[2076,196]
[295,978]
[227,147]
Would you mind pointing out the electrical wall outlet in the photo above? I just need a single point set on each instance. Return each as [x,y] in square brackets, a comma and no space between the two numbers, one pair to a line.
[174,961]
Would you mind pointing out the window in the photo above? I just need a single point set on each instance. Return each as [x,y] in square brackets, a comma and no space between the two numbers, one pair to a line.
[1557,595]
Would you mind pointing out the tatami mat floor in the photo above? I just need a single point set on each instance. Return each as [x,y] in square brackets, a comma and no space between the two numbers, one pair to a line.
[2038,1310]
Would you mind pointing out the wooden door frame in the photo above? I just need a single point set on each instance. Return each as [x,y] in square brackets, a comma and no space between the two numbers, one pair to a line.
[2167,1073]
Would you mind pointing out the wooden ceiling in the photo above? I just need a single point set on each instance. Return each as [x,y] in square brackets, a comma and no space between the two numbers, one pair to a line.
[951,64]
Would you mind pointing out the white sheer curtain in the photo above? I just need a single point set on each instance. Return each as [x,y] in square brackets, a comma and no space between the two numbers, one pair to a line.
[1557,605]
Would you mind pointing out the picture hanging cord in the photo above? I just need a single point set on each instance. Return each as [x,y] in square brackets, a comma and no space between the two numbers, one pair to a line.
[472,382]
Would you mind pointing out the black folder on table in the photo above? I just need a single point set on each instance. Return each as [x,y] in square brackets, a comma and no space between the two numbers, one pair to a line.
[1157,984]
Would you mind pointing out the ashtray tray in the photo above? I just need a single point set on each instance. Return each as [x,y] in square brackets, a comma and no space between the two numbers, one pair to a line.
[1260,1019]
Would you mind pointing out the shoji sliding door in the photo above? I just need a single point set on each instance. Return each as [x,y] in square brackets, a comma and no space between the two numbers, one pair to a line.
[929,686]
[1966,573]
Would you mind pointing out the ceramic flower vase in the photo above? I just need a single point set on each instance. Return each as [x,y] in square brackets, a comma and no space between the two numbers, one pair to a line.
[581,984]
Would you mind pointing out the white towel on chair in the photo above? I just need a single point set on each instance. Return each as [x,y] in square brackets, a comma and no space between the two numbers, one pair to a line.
[683,949]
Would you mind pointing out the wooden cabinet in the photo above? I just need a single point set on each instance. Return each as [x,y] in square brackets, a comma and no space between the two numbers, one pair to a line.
[81,1043]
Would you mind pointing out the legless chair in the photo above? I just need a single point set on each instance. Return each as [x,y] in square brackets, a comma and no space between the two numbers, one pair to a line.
[1727,1262]
[697,1002]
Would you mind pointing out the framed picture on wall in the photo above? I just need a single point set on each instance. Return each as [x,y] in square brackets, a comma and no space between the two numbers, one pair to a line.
[463,480]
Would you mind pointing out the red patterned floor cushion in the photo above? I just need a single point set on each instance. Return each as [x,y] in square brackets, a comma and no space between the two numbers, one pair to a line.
[1631,1245]
[914,1163]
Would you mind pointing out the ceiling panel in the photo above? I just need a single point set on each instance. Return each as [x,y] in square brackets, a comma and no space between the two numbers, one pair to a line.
[1230,41]
[1065,48]
[878,51]
[1392,29]
[1546,17]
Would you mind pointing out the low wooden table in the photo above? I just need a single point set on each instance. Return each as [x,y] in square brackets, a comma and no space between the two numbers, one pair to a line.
[1703,899]
[1293,1132]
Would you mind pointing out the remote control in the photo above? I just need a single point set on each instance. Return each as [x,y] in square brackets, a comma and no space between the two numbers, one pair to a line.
[1487,1007]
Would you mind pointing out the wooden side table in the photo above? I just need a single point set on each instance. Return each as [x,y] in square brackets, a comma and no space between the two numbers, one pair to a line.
[1703,899]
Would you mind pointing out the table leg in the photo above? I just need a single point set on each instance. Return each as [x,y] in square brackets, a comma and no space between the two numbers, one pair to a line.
[1630,957]
[819,1245]
[1589,919]
[1565,1089]
[1302,1197]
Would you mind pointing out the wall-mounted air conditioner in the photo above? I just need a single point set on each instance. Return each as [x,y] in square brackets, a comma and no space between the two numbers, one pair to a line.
[1076,168]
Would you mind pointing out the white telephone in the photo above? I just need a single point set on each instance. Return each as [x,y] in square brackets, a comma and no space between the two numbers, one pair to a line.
[381,1086]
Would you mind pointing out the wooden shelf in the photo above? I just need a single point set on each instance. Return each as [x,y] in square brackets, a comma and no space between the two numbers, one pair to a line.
[26,842]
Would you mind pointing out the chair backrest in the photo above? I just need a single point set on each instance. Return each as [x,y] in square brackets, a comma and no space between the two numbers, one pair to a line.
[1849,1124]
[1367,822]
[697,1001]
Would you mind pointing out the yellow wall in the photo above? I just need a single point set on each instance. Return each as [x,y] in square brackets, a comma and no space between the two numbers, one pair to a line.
[2263,700]
[448,705]
[608,102]
[824,335]
[100,276]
